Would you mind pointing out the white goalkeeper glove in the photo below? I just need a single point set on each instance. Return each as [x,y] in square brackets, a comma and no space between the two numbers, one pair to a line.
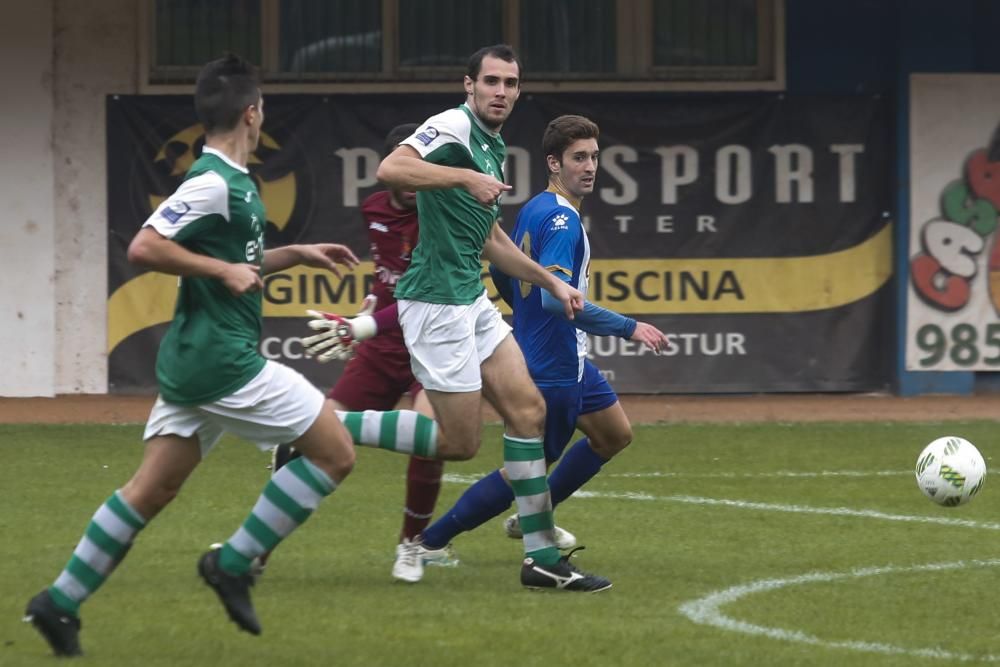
[340,335]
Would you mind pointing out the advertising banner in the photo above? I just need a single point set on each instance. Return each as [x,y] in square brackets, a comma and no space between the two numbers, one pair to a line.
[750,228]
[954,288]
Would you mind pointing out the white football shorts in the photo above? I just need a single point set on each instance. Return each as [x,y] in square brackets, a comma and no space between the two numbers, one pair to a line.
[275,407]
[448,343]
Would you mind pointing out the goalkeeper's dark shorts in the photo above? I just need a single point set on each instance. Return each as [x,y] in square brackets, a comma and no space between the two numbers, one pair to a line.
[377,377]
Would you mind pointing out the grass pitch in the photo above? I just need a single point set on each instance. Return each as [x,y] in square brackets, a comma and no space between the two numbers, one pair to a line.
[763,544]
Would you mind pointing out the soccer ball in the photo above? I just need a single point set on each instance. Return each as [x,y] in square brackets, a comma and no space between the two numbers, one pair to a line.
[950,471]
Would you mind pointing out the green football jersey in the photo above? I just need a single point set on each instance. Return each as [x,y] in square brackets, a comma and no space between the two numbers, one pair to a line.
[447,264]
[210,349]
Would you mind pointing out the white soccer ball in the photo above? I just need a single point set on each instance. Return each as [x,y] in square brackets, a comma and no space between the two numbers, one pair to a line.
[951,471]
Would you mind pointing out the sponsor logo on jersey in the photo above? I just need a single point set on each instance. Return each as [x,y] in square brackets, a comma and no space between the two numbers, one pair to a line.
[427,136]
[388,277]
[174,211]
[248,196]
[559,221]
[378,227]
[255,247]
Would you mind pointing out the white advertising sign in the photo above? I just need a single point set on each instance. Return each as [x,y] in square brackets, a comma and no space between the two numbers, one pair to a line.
[953,297]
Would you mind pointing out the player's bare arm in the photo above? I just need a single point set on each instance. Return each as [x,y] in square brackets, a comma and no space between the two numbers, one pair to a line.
[404,169]
[507,257]
[153,251]
[317,255]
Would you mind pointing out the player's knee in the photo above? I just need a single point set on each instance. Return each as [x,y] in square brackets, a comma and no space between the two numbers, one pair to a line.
[336,464]
[608,447]
[463,449]
[529,420]
[333,455]
[625,439]
[343,465]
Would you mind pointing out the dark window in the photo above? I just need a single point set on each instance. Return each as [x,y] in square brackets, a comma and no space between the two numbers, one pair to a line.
[189,33]
[705,33]
[442,33]
[563,36]
[616,42]
[330,36]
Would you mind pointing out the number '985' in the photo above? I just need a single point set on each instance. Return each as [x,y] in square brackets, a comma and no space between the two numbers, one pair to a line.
[962,344]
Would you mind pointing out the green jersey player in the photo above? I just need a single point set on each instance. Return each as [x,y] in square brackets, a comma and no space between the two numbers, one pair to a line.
[461,350]
[212,378]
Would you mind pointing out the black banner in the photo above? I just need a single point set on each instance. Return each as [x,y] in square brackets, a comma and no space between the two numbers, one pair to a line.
[750,228]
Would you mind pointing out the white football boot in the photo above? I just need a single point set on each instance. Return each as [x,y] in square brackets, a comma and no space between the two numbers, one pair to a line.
[412,555]
[409,566]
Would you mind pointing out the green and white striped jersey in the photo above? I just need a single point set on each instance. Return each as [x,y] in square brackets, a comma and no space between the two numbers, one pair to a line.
[447,263]
[210,349]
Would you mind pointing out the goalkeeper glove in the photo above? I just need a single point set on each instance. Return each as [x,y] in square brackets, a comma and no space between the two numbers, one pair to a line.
[340,335]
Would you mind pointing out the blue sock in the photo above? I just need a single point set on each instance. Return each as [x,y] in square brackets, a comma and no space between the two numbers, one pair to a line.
[574,469]
[482,501]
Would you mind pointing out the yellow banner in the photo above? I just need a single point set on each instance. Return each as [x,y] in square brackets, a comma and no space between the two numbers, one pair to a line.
[631,286]
[752,285]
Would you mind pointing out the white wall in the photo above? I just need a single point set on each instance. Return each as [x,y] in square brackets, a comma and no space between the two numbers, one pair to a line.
[95,55]
[27,259]
[58,61]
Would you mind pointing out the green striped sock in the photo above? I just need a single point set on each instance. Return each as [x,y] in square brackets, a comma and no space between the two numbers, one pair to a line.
[403,431]
[104,544]
[288,500]
[524,462]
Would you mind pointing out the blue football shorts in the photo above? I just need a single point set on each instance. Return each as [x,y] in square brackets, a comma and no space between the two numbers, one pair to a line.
[564,405]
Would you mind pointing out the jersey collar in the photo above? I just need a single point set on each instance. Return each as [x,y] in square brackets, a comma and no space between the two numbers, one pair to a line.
[556,190]
[225,158]
[477,121]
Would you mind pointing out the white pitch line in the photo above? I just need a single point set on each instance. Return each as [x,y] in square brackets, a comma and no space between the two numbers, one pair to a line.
[788,474]
[765,507]
[766,475]
[762,475]
[456,478]
[707,610]
[795,509]
[459,478]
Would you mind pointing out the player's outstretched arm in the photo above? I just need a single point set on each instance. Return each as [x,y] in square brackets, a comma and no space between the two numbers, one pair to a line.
[650,336]
[509,259]
[404,169]
[317,255]
[338,336]
[604,322]
[150,250]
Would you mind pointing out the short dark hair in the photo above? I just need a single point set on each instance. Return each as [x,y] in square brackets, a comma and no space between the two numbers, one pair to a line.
[225,88]
[502,51]
[396,135]
[564,130]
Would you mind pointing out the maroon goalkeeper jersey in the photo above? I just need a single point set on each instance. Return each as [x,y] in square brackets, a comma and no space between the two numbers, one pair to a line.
[392,234]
